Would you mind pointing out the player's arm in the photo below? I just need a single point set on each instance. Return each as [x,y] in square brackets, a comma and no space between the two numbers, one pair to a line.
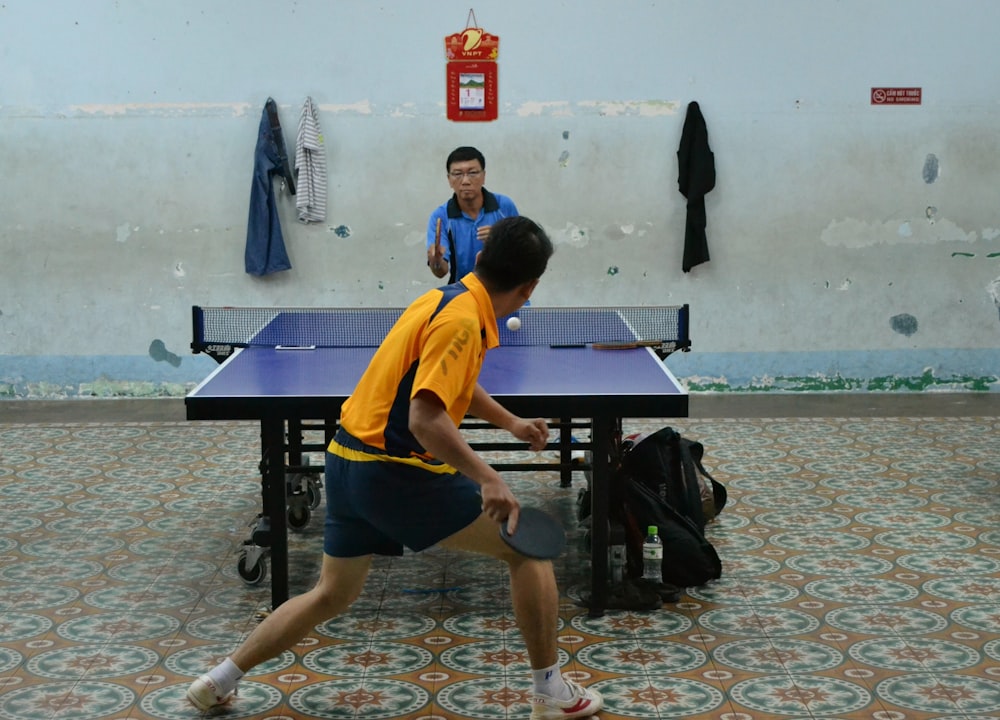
[435,431]
[534,431]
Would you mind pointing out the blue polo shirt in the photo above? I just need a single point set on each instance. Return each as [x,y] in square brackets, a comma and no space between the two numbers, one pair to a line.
[459,231]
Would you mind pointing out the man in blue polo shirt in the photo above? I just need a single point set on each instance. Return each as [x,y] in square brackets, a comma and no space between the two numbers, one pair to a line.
[466,218]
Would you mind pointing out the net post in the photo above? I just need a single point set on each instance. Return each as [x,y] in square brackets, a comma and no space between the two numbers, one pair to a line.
[683,325]
[198,329]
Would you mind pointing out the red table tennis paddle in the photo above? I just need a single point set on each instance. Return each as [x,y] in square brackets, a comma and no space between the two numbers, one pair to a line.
[538,535]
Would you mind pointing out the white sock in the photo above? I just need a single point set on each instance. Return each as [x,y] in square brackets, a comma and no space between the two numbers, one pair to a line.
[549,681]
[225,675]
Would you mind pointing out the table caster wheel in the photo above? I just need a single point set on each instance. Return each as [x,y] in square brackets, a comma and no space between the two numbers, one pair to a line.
[252,572]
[298,516]
[314,493]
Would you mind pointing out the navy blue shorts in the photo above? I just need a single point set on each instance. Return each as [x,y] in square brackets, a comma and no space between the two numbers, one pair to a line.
[379,507]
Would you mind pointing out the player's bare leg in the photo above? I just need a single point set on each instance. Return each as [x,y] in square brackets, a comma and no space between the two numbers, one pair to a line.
[533,590]
[340,583]
[535,600]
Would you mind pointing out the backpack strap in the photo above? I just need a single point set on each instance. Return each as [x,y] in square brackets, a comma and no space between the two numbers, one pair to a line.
[719,493]
[692,489]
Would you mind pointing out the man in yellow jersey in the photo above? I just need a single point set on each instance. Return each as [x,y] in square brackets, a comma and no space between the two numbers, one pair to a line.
[399,473]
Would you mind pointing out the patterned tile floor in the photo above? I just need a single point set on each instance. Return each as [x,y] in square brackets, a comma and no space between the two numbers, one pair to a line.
[861,580]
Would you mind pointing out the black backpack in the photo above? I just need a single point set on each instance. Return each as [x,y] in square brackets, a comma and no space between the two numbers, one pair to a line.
[661,481]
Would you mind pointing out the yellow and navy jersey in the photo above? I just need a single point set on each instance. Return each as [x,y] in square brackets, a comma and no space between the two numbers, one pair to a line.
[438,344]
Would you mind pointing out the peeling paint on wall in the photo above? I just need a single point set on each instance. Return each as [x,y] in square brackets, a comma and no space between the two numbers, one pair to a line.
[855,233]
[572,235]
[201,110]
[406,110]
[159,109]
[993,289]
[158,351]
[602,108]
[363,107]
[564,158]
[837,383]
[105,388]
[931,169]
[530,109]
[342,231]
[642,108]
[904,324]
[927,382]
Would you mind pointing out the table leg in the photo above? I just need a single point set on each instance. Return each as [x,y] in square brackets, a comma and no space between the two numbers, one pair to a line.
[295,441]
[602,433]
[273,444]
[565,452]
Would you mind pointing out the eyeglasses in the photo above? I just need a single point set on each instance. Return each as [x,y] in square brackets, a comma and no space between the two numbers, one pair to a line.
[471,174]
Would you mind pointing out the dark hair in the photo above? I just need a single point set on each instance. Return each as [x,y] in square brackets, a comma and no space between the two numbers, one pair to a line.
[461,154]
[516,251]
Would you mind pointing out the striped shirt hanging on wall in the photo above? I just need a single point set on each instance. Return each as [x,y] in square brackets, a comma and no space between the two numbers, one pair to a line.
[310,167]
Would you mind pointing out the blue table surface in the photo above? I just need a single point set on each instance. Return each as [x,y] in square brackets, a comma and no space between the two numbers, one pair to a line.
[367,327]
[514,371]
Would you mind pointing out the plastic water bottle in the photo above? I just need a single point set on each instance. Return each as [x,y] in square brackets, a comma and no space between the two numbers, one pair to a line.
[652,556]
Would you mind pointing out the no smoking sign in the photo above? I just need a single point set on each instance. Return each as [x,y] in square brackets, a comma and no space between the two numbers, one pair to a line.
[896,96]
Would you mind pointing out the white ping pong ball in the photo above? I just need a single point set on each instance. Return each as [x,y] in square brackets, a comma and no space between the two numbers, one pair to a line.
[513,323]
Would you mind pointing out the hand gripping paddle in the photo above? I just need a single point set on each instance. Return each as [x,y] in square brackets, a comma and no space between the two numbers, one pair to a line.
[538,535]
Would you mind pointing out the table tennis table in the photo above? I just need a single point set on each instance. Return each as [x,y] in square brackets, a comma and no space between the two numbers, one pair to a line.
[287,367]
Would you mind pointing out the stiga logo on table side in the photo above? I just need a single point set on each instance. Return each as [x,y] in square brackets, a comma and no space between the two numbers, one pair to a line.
[459,341]
[219,349]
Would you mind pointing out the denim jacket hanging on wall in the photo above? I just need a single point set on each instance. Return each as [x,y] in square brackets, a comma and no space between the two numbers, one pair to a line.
[265,250]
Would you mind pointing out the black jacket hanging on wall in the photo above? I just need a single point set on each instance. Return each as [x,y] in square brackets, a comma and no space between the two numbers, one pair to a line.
[697,177]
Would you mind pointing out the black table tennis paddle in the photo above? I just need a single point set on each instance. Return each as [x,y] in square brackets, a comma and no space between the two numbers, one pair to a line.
[630,345]
[538,535]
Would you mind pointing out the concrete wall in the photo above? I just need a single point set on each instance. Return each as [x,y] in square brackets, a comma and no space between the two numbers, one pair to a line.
[853,246]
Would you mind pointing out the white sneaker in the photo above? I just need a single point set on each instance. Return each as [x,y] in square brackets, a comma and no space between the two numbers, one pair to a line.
[583,703]
[204,694]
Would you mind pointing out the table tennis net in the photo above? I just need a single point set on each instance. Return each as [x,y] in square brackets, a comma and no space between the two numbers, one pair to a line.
[367,327]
